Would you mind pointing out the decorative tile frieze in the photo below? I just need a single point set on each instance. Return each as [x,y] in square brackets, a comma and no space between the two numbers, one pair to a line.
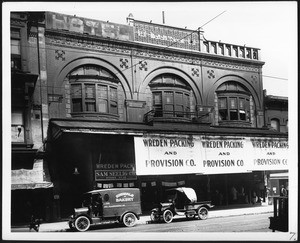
[97,45]
[229,65]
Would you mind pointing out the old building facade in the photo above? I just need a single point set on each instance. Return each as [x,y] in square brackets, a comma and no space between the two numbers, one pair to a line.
[138,105]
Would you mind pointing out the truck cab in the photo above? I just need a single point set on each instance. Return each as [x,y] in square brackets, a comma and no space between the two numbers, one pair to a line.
[101,206]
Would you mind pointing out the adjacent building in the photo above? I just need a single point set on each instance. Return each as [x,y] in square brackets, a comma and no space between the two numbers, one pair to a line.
[139,105]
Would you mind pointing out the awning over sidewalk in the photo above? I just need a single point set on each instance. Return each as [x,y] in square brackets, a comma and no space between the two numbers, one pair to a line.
[36,178]
[58,126]
[279,176]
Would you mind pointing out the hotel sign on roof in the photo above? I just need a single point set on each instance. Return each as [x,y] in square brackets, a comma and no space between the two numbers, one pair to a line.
[88,26]
[166,35]
[140,31]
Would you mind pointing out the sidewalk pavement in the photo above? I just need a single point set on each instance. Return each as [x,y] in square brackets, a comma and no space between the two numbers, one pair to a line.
[216,212]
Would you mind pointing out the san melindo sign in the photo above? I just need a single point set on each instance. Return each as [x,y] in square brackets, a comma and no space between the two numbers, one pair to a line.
[158,155]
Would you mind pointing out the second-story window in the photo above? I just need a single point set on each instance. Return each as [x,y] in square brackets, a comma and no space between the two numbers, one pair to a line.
[17,126]
[171,96]
[275,124]
[234,108]
[15,44]
[93,90]
[233,102]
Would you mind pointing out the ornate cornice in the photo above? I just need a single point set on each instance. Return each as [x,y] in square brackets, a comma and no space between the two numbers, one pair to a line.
[149,52]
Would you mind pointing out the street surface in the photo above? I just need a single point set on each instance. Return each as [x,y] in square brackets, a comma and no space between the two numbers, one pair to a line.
[242,223]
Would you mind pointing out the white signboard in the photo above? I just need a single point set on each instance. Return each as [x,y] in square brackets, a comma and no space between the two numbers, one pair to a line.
[224,155]
[157,155]
[269,153]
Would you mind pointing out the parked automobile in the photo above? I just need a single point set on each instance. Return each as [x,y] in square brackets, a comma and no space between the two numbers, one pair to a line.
[101,206]
[180,201]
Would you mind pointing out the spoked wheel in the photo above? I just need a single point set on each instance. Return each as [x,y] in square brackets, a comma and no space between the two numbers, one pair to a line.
[129,219]
[82,223]
[168,216]
[203,213]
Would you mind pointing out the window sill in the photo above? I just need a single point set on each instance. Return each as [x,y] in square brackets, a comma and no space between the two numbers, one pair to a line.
[95,115]
[235,123]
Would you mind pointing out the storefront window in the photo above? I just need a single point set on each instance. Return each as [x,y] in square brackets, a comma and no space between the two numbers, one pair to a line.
[93,90]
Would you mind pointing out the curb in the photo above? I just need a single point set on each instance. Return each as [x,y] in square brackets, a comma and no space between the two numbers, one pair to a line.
[145,219]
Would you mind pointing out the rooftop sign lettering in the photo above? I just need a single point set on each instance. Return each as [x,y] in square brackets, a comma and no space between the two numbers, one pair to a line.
[87,26]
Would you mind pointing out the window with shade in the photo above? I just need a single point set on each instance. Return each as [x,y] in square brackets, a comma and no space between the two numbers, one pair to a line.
[275,124]
[171,96]
[17,126]
[233,102]
[15,44]
[93,90]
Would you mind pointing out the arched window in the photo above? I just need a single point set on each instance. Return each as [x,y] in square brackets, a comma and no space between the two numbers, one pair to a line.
[275,124]
[171,96]
[233,102]
[93,90]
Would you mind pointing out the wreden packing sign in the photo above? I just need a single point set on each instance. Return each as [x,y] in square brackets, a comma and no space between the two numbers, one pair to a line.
[158,155]
[166,155]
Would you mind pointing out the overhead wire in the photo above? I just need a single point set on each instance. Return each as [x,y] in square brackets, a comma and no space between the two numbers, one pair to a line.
[131,66]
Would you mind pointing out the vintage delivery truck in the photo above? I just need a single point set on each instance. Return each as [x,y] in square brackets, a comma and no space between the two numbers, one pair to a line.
[112,205]
[180,201]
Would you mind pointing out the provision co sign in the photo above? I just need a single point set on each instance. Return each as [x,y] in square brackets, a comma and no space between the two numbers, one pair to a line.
[208,154]
[166,155]
[223,155]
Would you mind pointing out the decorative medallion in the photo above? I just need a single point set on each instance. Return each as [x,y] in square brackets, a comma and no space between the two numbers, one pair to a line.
[254,79]
[143,65]
[211,74]
[195,72]
[60,54]
[123,63]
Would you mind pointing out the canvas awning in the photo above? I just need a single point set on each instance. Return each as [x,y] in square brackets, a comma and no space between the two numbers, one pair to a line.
[189,192]
[279,176]
[36,178]
[58,126]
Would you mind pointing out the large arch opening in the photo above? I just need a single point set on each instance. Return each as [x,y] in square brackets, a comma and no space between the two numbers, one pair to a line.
[94,91]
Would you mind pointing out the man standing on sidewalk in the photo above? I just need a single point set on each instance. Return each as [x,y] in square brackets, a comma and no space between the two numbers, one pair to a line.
[283,191]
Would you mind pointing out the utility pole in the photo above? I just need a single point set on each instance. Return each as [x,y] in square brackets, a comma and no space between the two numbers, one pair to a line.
[35,17]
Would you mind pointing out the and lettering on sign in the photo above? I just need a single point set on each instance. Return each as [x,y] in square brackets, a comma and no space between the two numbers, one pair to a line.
[209,154]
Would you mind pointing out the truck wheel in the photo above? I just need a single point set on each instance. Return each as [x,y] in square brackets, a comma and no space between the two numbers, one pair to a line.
[152,217]
[71,225]
[168,216]
[129,220]
[202,213]
[82,223]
